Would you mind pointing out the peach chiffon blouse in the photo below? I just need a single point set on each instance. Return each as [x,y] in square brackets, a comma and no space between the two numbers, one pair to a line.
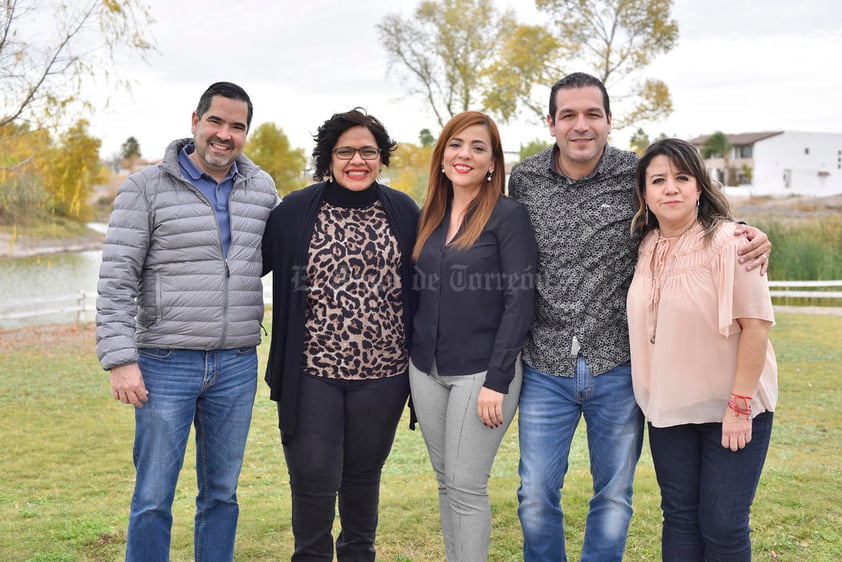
[683,327]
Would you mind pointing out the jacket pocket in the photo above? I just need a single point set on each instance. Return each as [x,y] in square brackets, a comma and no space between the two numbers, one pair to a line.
[159,298]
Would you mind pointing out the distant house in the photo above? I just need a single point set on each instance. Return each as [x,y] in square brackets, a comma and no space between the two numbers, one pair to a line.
[780,163]
[128,166]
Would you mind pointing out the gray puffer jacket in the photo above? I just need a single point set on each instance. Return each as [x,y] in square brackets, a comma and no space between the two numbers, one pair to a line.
[164,281]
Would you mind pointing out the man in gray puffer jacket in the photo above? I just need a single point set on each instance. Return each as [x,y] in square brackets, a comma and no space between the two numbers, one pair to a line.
[179,311]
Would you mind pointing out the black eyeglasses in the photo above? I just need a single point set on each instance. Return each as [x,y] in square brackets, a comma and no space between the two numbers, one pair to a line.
[366,152]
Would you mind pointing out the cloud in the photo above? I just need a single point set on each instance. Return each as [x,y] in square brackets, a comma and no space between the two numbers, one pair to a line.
[738,66]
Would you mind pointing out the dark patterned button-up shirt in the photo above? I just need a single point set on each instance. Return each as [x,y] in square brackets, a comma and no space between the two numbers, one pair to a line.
[586,258]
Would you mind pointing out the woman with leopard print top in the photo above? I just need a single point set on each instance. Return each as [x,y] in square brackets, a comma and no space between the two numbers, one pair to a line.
[340,252]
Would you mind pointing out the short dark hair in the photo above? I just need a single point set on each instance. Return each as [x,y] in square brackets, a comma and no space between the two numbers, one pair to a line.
[330,131]
[226,90]
[579,80]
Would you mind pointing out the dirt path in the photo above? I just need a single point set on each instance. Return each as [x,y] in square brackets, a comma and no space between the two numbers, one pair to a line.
[80,336]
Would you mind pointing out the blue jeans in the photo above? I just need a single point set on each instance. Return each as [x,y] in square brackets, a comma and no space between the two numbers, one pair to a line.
[550,409]
[707,490]
[214,390]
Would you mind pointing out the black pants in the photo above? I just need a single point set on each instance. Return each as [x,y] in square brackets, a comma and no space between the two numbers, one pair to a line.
[345,432]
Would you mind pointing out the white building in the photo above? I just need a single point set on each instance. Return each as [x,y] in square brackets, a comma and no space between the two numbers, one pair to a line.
[780,163]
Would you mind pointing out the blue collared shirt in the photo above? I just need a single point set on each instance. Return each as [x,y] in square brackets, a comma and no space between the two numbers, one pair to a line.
[216,193]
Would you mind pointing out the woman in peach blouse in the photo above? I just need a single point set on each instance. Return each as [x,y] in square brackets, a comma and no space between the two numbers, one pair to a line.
[703,369]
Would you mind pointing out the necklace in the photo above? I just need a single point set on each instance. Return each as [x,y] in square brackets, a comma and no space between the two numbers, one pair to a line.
[676,236]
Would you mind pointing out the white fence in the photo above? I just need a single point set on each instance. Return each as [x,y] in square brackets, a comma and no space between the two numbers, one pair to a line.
[63,306]
[16,313]
[804,289]
[61,309]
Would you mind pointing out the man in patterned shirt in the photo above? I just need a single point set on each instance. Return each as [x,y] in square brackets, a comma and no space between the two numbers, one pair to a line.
[576,359]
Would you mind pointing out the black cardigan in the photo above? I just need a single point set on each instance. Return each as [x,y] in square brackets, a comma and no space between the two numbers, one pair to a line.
[285,247]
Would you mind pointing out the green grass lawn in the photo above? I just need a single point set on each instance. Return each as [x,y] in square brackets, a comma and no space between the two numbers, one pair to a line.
[66,475]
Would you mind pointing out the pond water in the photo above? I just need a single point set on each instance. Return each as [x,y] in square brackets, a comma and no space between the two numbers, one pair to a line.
[55,288]
[47,289]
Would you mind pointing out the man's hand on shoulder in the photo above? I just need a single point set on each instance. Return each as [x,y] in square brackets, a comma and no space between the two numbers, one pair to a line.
[756,252]
[127,385]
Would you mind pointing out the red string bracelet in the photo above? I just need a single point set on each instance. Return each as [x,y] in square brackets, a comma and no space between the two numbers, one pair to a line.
[740,410]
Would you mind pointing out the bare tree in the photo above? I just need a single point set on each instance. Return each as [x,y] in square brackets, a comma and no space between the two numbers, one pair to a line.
[617,39]
[462,54]
[443,50]
[48,50]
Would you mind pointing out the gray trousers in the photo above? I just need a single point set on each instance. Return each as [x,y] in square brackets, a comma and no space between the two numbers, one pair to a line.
[462,451]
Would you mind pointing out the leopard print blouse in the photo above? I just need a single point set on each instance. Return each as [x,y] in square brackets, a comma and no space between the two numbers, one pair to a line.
[354,327]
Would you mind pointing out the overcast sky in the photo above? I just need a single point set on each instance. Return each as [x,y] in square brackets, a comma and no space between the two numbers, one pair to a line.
[740,66]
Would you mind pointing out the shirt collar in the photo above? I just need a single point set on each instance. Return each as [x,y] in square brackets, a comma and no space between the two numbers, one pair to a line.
[554,168]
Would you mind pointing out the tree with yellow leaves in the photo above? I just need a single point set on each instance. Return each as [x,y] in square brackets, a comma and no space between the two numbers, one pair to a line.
[443,50]
[69,169]
[21,193]
[465,54]
[269,148]
[409,169]
[48,50]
